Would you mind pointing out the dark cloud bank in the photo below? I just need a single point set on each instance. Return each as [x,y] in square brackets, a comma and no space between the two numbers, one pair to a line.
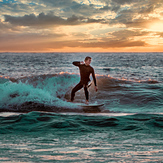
[48,19]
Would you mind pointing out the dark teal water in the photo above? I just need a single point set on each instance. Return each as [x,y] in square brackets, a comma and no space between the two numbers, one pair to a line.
[49,137]
[38,125]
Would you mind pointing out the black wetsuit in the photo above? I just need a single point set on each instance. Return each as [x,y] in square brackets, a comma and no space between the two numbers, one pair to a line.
[85,72]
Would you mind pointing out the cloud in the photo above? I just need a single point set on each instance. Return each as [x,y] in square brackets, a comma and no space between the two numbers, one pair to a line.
[160,34]
[15,9]
[47,20]
[135,18]
[56,3]
[114,8]
[146,9]
[33,20]
[138,14]
[28,37]
[7,28]
[36,42]
[106,43]
[27,41]
[119,2]
[129,33]
[130,22]
[44,46]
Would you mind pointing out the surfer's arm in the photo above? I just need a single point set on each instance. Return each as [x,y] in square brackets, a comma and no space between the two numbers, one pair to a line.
[94,78]
[77,63]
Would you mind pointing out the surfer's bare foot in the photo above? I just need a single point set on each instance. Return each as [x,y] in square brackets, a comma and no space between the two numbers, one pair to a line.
[69,101]
[86,102]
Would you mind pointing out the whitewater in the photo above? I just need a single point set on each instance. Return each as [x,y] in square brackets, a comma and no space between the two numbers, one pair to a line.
[37,124]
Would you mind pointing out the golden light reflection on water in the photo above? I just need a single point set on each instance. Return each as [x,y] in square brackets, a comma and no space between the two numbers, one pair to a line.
[87,153]
[6,77]
[120,151]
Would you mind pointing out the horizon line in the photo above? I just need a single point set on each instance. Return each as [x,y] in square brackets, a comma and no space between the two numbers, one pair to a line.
[80,52]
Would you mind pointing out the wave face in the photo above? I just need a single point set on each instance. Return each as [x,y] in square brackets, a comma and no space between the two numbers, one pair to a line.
[51,92]
[36,92]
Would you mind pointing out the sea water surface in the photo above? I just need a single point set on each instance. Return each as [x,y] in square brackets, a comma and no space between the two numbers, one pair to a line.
[37,124]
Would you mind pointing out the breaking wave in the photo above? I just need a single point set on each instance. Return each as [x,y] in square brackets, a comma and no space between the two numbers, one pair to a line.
[50,92]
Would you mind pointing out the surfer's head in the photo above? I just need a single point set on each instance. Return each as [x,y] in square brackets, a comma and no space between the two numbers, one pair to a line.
[88,60]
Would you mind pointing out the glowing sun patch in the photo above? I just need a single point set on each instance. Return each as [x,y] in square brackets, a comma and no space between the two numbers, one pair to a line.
[157,27]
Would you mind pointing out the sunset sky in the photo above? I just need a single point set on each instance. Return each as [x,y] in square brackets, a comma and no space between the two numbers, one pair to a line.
[81,25]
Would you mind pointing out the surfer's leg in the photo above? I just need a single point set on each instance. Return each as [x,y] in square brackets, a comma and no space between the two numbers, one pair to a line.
[86,92]
[75,89]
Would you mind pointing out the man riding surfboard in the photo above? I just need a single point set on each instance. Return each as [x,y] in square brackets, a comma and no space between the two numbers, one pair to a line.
[85,71]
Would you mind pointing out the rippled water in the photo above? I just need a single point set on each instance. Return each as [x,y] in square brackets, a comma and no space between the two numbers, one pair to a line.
[42,137]
[46,128]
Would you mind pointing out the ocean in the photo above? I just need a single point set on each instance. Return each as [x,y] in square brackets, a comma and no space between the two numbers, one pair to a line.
[37,124]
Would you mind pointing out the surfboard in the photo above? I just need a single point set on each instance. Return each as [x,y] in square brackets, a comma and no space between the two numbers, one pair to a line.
[91,107]
[95,105]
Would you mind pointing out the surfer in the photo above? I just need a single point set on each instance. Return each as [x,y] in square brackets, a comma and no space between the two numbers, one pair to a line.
[85,71]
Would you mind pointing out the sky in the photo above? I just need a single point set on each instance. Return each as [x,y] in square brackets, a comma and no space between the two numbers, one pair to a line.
[81,25]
